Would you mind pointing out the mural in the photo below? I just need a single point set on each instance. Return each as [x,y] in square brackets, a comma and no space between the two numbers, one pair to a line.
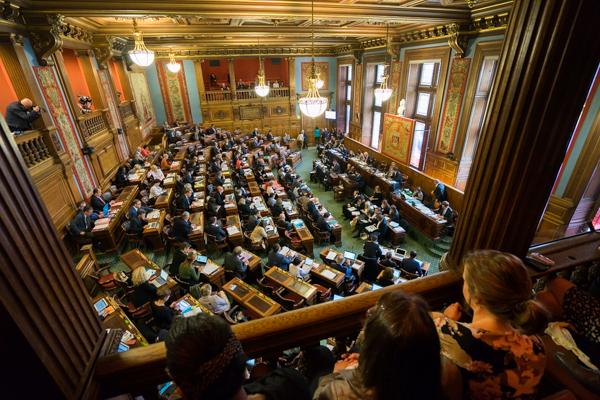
[355,95]
[394,83]
[397,135]
[143,102]
[174,93]
[322,70]
[459,71]
[57,108]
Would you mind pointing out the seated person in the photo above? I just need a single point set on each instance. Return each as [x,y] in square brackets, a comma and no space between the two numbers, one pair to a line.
[323,225]
[216,302]
[219,180]
[136,225]
[188,271]
[182,227]
[81,226]
[387,261]
[381,224]
[234,263]
[206,361]
[418,193]
[377,196]
[446,212]
[371,248]
[259,234]
[501,339]
[282,223]
[162,314]
[312,210]
[215,229]
[143,291]
[411,264]
[164,162]
[180,255]
[278,207]
[244,209]
[385,207]
[296,270]
[398,336]
[97,202]
[155,173]
[394,214]
[184,202]
[386,277]
[354,203]
[156,190]
[277,259]
[252,221]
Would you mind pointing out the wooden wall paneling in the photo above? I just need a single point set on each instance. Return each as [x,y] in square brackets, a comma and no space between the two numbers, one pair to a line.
[133,133]
[39,287]
[91,76]
[545,59]
[123,78]
[441,167]
[14,69]
[104,159]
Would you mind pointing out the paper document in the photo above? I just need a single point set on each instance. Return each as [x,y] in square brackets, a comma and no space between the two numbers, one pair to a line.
[328,274]
[331,255]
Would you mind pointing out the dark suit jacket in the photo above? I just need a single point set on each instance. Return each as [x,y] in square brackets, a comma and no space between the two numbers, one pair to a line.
[277,209]
[143,293]
[234,264]
[323,226]
[371,250]
[97,203]
[313,210]
[279,260]
[382,227]
[181,229]
[136,225]
[184,203]
[440,192]
[218,232]
[18,118]
[411,265]
[219,198]
[133,212]
[81,223]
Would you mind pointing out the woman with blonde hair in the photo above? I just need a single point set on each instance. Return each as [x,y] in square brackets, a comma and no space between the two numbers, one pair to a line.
[496,355]
[143,291]
[216,302]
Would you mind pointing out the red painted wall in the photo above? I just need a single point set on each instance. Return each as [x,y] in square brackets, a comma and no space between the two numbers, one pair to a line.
[277,71]
[222,72]
[75,73]
[117,80]
[7,94]
[246,69]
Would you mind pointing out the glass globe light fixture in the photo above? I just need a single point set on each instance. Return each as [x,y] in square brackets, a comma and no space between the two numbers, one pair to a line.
[140,54]
[173,65]
[383,92]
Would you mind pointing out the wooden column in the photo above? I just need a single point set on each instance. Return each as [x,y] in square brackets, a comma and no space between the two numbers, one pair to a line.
[546,68]
[200,81]
[54,336]
[231,71]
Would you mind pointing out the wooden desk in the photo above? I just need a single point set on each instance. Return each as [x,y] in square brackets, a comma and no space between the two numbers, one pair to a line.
[170,180]
[256,304]
[200,184]
[153,230]
[234,230]
[230,205]
[373,177]
[196,238]
[358,266]
[249,175]
[273,235]
[420,216]
[348,184]
[176,166]
[214,272]
[181,153]
[260,205]
[363,287]
[290,210]
[397,234]
[328,276]
[305,236]
[294,159]
[135,258]
[164,200]
[110,235]
[114,317]
[188,306]
[336,227]
[137,177]
[254,262]
[253,189]
[228,186]
[292,284]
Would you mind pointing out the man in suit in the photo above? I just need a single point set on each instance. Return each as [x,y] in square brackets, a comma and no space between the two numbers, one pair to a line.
[82,225]
[182,227]
[371,248]
[219,180]
[439,192]
[278,207]
[135,208]
[244,208]
[20,115]
[388,261]
[382,226]
[215,229]
[446,212]
[323,225]
[180,255]
[96,201]
[282,223]
[219,196]
[136,225]
[312,210]
[185,201]
[411,264]
[277,259]
[252,221]
[233,263]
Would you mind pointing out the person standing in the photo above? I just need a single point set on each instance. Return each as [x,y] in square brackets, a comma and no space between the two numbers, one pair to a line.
[301,140]
[20,115]
[317,136]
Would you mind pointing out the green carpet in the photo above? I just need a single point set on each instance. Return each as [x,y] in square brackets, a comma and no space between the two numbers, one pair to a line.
[413,239]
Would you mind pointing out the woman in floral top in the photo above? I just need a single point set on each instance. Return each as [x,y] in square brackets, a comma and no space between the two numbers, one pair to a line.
[497,358]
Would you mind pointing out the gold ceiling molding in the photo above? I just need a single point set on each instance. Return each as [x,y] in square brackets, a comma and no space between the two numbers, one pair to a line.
[243,52]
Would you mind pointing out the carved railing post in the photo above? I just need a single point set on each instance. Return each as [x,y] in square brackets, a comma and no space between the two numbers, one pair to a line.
[545,60]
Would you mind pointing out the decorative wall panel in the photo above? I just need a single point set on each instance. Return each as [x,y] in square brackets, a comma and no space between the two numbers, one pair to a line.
[459,72]
[322,70]
[397,136]
[143,102]
[175,95]
[395,77]
[57,108]
[115,118]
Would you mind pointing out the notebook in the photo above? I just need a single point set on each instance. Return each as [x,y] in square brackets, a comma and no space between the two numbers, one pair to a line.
[349,255]
[331,255]
[328,274]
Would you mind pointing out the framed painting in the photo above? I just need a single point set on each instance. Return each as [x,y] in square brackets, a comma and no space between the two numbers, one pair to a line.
[397,137]
[322,70]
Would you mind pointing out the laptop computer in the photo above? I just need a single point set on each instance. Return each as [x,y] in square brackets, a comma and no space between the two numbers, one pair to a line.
[100,305]
[349,255]
[202,259]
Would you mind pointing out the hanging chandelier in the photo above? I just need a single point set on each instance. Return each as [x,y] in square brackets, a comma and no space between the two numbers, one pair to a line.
[320,82]
[140,54]
[173,65]
[383,92]
[312,104]
[261,88]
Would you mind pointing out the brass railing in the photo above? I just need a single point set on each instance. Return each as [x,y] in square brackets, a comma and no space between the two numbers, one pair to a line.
[32,147]
[92,123]
[138,369]
[217,96]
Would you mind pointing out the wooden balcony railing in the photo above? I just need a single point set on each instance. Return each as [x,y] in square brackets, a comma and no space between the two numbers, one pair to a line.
[217,96]
[126,110]
[92,123]
[32,147]
[139,369]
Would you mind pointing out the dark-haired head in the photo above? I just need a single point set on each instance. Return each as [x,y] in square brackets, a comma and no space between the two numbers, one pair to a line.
[401,341]
[204,358]
[500,282]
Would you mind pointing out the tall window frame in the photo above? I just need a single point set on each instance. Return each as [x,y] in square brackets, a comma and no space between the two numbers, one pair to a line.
[426,88]
[346,98]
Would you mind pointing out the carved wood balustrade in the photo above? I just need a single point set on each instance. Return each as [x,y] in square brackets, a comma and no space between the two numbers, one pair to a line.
[32,147]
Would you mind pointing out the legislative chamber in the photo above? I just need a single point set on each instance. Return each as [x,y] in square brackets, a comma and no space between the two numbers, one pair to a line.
[332,199]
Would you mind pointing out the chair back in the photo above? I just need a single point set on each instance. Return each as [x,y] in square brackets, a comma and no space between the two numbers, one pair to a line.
[143,312]
[265,287]
[408,275]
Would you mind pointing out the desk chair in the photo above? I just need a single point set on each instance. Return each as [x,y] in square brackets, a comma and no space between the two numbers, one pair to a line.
[408,275]
[266,287]
[132,238]
[219,245]
[255,247]
[229,315]
[287,302]
[322,237]
[184,285]
[323,293]
[141,313]
[294,242]
[371,269]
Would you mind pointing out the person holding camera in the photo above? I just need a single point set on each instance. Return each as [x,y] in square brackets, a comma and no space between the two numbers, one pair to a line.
[20,114]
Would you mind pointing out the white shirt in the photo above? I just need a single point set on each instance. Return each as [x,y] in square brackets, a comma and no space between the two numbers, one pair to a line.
[158,174]
[156,191]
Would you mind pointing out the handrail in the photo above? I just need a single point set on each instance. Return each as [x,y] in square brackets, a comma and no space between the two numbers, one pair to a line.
[92,123]
[32,147]
[139,369]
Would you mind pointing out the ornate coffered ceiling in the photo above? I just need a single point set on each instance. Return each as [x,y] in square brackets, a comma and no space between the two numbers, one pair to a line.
[195,27]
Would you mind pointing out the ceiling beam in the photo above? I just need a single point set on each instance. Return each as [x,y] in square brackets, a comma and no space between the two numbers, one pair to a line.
[252,8]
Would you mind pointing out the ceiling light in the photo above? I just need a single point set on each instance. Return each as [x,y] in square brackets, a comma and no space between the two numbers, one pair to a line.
[312,104]
[173,65]
[140,54]
[261,88]
[383,92]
